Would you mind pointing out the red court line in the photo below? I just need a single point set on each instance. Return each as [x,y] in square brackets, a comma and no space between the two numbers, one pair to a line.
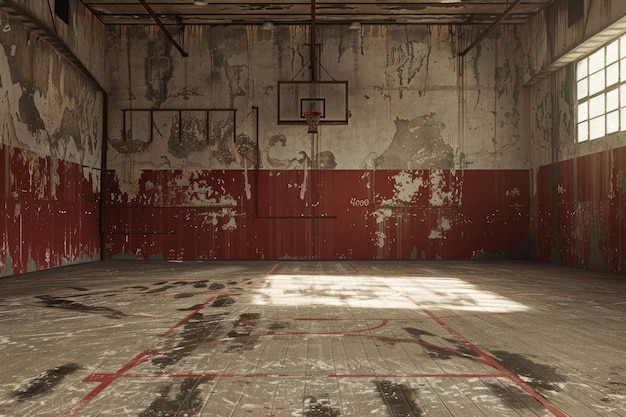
[353,267]
[492,362]
[106,380]
[430,375]
[383,323]
[271,270]
[103,378]
[188,317]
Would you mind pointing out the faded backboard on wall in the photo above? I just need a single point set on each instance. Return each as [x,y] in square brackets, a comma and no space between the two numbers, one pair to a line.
[327,97]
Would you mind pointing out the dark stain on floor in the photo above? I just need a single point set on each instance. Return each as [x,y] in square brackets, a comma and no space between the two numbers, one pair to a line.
[399,398]
[223,301]
[177,400]
[458,349]
[197,330]
[539,377]
[278,326]
[513,398]
[216,286]
[160,289]
[192,308]
[319,407]
[45,381]
[56,302]
[241,331]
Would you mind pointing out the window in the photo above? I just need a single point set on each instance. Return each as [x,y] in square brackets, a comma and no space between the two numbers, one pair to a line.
[601,91]
[62,10]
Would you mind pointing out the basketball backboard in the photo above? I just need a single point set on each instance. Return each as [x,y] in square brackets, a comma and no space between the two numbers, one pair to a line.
[327,97]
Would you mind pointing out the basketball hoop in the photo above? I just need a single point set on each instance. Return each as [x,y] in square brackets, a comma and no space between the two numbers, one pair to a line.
[312,120]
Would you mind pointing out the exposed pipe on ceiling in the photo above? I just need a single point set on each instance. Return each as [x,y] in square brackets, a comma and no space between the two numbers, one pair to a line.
[163,28]
[490,28]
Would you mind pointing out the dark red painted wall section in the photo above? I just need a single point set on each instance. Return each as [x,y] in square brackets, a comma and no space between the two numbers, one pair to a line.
[320,214]
[580,212]
[49,212]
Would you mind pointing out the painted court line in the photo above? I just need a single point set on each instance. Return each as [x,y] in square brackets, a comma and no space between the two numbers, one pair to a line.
[188,317]
[492,362]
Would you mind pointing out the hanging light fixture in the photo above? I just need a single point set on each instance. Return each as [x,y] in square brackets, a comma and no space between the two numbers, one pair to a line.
[201,3]
[355,26]
[267,26]
[7,27]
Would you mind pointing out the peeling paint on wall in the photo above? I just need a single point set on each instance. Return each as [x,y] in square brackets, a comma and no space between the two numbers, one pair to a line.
[389,185]
[50,156]
[418,143]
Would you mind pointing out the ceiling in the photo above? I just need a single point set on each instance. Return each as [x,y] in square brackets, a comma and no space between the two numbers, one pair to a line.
[226,12]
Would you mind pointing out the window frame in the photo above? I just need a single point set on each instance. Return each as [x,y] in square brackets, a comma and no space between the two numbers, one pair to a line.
[601,91]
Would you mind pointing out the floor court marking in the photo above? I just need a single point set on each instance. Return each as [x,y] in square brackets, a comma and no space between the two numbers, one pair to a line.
[106,379]
[494,363]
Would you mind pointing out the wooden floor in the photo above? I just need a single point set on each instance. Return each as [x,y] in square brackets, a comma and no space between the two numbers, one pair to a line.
[298,338]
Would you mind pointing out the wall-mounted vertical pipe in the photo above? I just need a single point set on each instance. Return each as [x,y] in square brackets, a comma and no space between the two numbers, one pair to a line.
[103,171]
[313,41]
[257,163]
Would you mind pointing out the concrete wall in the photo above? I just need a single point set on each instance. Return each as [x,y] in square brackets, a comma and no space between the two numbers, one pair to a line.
[433,164]
[578,192]
[50,151]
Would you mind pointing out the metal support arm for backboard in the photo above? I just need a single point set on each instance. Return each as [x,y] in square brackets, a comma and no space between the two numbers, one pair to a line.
[490,28]
[163,28]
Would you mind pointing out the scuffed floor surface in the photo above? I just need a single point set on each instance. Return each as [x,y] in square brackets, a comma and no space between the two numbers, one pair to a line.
[305,338]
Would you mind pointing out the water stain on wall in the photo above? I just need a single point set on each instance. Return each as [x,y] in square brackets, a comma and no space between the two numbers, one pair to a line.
[418,144]
[158,71]
[408,60]
[29,114]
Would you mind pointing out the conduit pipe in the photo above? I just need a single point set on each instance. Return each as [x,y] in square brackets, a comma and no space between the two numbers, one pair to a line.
[163,28]
[490,28]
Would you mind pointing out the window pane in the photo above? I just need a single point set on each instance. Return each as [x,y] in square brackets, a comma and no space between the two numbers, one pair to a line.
[582,89]
[612,74]
[597,127]
[596,106]
[623,116]
[612,100]
[612,122]
[583,111]
[622,96]
[596,82]
[622,71]
[581,68]
[596,61]
[622,48]
[583,131]
[612,52]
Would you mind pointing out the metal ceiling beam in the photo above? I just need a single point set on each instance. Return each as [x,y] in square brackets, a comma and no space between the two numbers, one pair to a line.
[490,28]
[163,28]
